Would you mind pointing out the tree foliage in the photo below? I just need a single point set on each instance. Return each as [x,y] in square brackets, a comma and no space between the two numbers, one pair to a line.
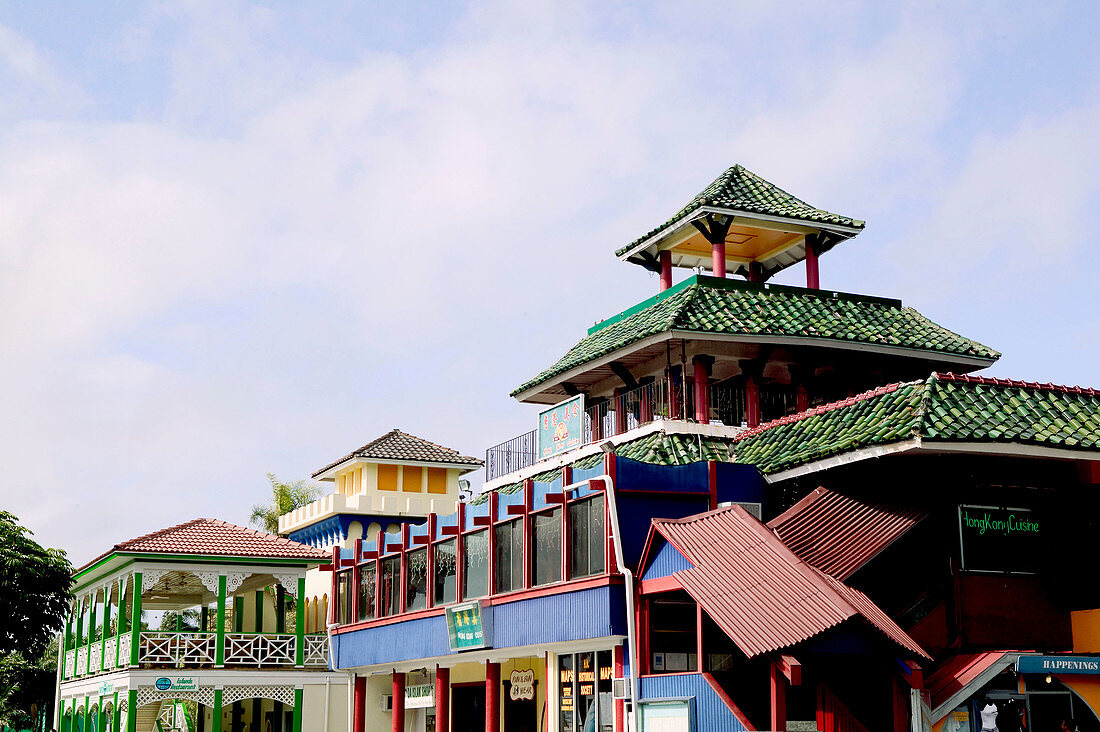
[34,600]
[285,497]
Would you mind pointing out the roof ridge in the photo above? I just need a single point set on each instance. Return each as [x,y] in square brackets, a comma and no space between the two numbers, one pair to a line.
[823,409]
[1014,383]
[158,532]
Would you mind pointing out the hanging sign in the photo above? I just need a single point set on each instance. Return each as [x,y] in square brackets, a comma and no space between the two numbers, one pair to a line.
[469,626]
[177,683]
[561,427]
[107,688]
[421,696]
[1058,665]
[999,539]
[522,685]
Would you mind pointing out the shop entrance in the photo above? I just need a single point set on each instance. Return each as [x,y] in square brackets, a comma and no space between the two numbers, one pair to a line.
[467,707]
[520,715]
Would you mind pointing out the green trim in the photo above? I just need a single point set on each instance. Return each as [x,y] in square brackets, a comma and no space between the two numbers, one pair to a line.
[135,623]
[121,616]
[131,710]
[116,721]
[219,644]
[259,611]
[106,629]
[300,623]
[193,559]
[217,725]
[298,710]
[91,634]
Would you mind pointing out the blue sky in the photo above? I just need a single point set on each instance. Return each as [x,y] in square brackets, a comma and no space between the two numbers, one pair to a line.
[238,238]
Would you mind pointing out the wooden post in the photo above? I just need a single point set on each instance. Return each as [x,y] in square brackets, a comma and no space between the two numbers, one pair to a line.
[398,720]
[779,698]
[442,699]
[359,704]
[666,270]
[492,697]
[219,637]
[645,405]
[701,365]
[756,272]
[718,256]
[674,402]
[812,277]
[620,411]
[300,624]
[358,557]
[135,639]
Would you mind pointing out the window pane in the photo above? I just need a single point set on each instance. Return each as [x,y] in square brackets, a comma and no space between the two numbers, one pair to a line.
[388,592]
[446,572]
[366,591]
[416,589]
[586,691]
[672,633]
[566,695]
[343,601]
[546,547]
[475,565]
[578,539]
[509,556]
[606,703]
[597,539]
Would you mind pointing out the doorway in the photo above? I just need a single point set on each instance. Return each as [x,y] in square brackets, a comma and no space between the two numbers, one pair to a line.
[520,715]
[467,708]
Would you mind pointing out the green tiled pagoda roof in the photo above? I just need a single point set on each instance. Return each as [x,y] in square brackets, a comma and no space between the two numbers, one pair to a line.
[657,448]
[726,306]
[945,407]
[739,189]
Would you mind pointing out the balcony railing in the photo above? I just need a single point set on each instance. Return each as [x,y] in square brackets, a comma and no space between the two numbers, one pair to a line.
[647,403]
[189,649]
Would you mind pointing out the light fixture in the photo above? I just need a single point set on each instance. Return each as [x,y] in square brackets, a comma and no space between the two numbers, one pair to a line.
[1048,678]
[607,446]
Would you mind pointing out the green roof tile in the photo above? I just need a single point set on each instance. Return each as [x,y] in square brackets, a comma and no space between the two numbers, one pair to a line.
[739,189]
[726,306]
[945,407]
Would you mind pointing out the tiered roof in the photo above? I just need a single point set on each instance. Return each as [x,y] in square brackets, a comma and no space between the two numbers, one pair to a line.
[944,408]
[398,445]
[701,306]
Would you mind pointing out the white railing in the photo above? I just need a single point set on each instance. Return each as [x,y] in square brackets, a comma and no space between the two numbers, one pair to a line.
[109,651]
[176,648]
[317,650]
[124,643]
[70,663]
[82,663]
[95,659]
[260,650]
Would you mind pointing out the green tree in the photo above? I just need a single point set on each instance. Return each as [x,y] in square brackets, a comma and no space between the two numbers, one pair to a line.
[34,600]
[285,497]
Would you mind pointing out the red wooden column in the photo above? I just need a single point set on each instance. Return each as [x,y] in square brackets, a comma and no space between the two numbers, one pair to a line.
[620,706]
[779,698]
[752,400]
[442,699]
[812,278]
[398,720]
[674,400]
[718,256]
[645,406]
[620,411]
[702,365]
[756,272]
[597,418]
[800,378]
[492,697]
[666,270]
[357,557]
[359,705]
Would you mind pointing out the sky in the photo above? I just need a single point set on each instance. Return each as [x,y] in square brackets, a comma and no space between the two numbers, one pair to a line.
[240,238]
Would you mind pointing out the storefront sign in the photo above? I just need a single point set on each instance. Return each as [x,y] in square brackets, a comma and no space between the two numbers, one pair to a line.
[999,539]
[107,688]
[561,427]
[1058,665]
[421,696]
[469,626]
[522,685]
[177,683]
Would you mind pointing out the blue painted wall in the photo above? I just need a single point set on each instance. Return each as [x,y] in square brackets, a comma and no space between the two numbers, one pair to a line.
[593,613]
[711,713]
[666,561]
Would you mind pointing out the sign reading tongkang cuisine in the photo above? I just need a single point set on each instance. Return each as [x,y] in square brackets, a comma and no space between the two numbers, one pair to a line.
[561,427]
[999,539]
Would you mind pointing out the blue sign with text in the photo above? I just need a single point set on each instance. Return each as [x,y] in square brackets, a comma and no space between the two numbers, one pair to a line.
[1058,665]
[561,427]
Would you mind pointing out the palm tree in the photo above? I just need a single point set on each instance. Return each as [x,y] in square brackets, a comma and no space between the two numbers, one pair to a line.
[285,497]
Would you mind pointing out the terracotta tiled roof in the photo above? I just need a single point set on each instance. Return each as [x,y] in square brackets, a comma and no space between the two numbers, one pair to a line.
[838,534]
[211,537]
[942,408]
[758,591]
[398,445]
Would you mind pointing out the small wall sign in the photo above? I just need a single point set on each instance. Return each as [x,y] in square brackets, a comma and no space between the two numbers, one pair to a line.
[421,696]
[561,427]
[470,626]
[522,685]
[177,683]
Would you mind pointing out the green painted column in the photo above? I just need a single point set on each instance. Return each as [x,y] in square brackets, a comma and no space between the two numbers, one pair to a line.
[300,624]
[131,708]
[106,629]
[66,642]
[238,614]
[79,635]
[219,639]
[91,635]
[121,619]
[259,611]
[217,726]
[298,710]
[135,624]
[117,722]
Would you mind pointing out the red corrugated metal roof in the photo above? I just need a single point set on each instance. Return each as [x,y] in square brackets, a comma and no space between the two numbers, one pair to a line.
[760,592]
[957,672]
[839,534]
[206,536]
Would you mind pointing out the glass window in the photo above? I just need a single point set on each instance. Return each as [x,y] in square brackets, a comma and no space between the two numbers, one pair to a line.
[566,695]
[672,633]
[586,691]
[388,586]
[446,573]
[546,547]
[604,686]
[475,565]
[343,597]
[509,556]
[586,537]
[416,584]
[366,591]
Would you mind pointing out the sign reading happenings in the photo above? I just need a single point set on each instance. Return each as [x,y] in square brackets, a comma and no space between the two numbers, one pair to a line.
[999,539]
[561,427]
[1058,665]
[469,627]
